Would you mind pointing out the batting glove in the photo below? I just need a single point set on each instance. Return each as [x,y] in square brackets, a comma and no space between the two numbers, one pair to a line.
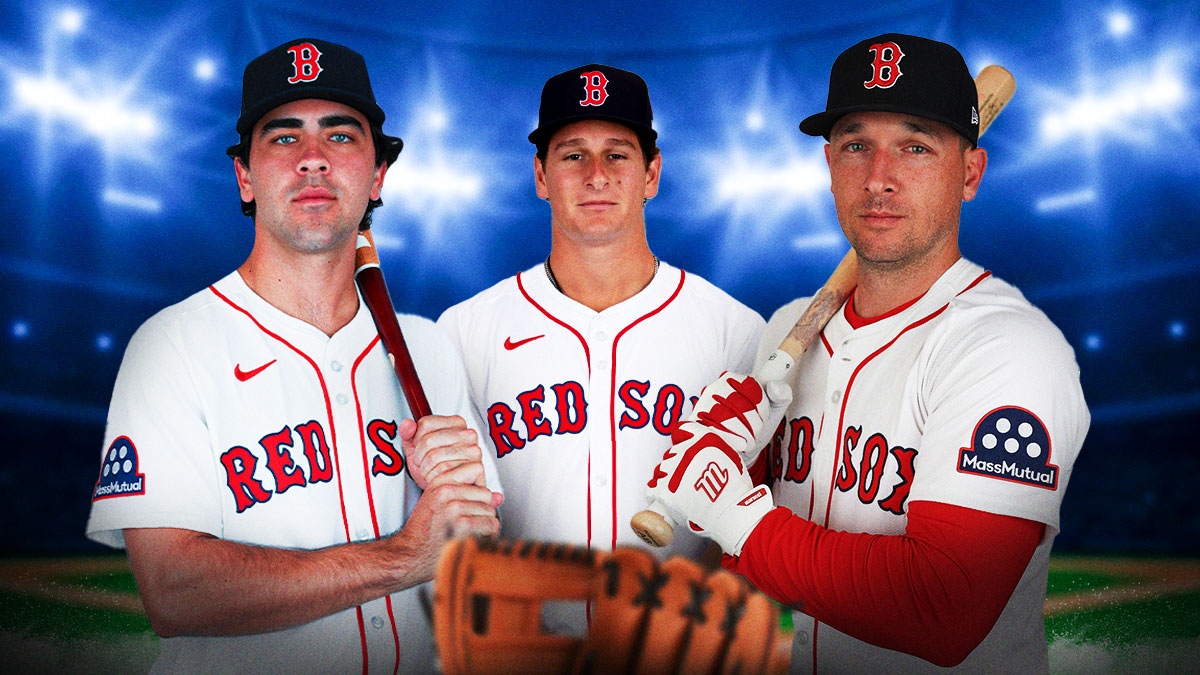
[740,402]
[701,479]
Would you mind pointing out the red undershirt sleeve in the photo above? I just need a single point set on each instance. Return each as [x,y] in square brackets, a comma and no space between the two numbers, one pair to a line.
[934,592]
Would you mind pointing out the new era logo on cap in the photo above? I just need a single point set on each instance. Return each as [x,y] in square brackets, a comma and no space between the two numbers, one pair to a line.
[595,91]
[902,74]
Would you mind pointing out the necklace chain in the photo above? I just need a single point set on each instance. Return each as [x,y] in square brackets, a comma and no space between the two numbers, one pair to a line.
[554,282]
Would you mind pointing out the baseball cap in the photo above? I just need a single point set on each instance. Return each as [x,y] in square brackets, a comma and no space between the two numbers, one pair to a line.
[307,68]
[902,74]
[595,92]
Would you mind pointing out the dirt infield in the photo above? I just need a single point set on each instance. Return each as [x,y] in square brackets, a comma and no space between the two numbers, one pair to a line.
[51,579]
[1148,578]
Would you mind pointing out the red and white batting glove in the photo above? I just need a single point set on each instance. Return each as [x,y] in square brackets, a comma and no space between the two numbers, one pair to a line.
[739,401]
[701,479]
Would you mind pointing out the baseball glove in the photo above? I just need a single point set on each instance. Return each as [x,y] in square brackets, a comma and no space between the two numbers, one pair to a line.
[645,616]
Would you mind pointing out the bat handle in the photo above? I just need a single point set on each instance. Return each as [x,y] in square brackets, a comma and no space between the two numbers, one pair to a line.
[654,525]
[776,367]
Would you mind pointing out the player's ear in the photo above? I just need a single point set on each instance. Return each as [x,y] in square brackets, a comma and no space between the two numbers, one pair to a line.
[653,172]
[975,160]
[245,187]
[377,181]
[539,178]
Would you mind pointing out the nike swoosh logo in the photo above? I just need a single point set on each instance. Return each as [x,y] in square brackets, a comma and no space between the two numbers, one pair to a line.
[510,345]
[243,375]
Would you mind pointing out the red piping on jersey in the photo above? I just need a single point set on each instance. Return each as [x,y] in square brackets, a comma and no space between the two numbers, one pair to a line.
[362,441]
[837,458]
[587,357]
[362,634]
[612,398]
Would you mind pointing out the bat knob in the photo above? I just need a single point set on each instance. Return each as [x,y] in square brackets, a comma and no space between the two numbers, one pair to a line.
[653,526]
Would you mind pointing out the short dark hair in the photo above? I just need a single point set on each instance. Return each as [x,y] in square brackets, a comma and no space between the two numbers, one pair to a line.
[387,149]
[647,144]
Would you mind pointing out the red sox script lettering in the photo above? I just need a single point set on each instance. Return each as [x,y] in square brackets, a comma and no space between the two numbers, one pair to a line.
[304,62]
[512,425]
[240,463]
[885,69]
[863,467]
[595,88]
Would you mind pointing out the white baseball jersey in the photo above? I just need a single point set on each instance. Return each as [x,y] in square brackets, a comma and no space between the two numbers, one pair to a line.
[969,396]
[580,404]
[234,419]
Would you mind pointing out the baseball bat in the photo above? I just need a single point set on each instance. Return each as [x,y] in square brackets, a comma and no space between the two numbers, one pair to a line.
[994,86]
[369,277]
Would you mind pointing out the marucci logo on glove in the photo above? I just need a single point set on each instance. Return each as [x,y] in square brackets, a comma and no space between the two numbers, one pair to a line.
[707,441]
[712,481]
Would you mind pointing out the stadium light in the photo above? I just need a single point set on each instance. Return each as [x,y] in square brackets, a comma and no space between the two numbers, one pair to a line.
[798,179]
[69,21]
[1117,110]
[1120,24]
[106,118]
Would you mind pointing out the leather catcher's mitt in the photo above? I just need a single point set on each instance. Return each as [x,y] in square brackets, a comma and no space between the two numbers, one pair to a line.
[646,617]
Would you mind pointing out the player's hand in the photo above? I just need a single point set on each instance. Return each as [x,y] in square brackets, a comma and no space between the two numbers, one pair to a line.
[441,449]
[701,481]
[444,512]
[741,404]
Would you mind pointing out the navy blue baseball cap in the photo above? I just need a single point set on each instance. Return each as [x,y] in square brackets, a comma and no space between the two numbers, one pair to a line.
[595,92]
[902,74]
[306,68]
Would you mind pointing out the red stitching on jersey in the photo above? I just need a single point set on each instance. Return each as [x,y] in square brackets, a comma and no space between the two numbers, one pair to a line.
[612,397]
[332,436]
[837,456]
[587,357]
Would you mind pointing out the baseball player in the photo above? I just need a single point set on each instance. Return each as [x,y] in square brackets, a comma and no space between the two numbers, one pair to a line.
[258,439]
[582,365]
[930,431]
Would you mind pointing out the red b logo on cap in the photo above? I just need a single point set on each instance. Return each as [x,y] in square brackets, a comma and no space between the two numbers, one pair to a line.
[304,62]
[594,88]
[885,69]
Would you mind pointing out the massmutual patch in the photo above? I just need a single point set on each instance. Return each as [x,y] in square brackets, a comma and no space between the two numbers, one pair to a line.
[1010,444]
[119,474]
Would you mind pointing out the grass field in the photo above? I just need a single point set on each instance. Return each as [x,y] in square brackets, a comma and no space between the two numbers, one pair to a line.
[1103,615]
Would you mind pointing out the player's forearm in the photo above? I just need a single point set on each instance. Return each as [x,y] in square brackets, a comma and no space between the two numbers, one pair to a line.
[195,584]
[934,593]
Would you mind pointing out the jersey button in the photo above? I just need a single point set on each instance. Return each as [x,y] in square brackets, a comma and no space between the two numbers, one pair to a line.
[336,366]
[343,399]
[801,637]
[837,396]
[377,622]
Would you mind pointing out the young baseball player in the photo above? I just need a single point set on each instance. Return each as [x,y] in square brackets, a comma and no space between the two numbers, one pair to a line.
[920,465]
[582,365]
[258,439]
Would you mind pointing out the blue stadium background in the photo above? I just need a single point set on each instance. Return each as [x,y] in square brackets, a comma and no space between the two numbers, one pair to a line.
[114,118]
